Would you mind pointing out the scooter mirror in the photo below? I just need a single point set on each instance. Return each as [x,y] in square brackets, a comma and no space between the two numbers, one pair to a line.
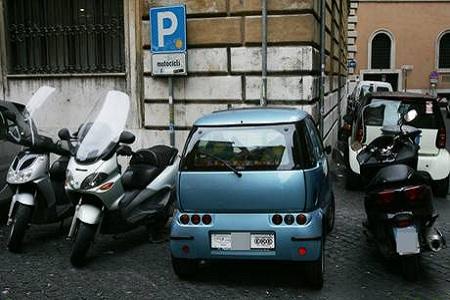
[127,137]
[64,134]
[410,115]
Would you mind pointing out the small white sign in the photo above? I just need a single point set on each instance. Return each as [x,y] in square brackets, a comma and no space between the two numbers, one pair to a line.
[168,64]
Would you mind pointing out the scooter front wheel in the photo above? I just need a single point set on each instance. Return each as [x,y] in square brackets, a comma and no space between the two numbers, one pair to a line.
[83,240]
[19,227]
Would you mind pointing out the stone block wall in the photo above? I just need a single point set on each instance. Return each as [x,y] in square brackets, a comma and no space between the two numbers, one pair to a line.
[224,62]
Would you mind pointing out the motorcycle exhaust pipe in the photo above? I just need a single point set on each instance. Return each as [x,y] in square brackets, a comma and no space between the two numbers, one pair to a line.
[434,239]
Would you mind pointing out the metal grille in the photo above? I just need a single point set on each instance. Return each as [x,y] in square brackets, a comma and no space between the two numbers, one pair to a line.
[65,36]
[381,51]
[444,52]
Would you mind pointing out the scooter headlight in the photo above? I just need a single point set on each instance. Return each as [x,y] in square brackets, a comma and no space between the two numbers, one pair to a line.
[69,179]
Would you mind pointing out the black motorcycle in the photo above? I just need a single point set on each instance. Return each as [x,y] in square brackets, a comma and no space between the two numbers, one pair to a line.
[398,200]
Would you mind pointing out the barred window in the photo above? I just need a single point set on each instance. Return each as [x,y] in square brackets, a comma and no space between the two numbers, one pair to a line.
[444,51]
[65,36]
[381,51]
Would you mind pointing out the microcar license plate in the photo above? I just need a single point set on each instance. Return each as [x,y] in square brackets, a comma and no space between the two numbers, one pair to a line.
[262,241]
[407,240]
[243,241]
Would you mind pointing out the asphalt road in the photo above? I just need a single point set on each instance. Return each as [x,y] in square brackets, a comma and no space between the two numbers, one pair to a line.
[128,266]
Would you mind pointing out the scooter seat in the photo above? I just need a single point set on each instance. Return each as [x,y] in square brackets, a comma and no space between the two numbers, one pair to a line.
[138,176]
[160,156]
[392,174]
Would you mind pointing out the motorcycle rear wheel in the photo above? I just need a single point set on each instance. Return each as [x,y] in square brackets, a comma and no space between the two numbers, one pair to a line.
[410,267]
[19,227]
[83,240]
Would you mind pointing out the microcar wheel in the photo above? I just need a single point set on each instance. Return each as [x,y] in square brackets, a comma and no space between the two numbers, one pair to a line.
[19,227]
[330,216]
[184,268]
[316,269]
[410,267]
[440,187]
[83,240]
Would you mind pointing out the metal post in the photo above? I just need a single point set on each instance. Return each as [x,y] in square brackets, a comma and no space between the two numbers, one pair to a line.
[322,66]
[171,114]
[263,100]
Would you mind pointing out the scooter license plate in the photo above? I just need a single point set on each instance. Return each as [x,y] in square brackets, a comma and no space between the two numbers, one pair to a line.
[406,240]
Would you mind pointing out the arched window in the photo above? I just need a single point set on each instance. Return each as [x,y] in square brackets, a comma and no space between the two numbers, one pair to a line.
[444,51]
[381,51]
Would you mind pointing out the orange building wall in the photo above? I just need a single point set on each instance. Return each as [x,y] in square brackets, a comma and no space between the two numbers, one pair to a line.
[415,27]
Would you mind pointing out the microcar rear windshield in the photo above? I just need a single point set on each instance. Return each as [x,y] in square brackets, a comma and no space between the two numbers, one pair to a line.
[389,112]
[244,148]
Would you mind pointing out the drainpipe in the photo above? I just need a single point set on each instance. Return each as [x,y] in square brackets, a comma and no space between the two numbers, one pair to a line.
[322,66]
[263,100]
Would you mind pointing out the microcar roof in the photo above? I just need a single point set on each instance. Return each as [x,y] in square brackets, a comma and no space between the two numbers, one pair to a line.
[252,116]
[401,95]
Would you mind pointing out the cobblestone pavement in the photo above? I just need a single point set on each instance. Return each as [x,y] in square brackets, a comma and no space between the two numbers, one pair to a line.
[128,266]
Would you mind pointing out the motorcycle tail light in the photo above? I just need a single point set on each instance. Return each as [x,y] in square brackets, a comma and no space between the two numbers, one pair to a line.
[277,219]
[413,193]
[441,138]
[386,197]
[184,219]
[206,219]
[195,219]
[403,220]
[106,186]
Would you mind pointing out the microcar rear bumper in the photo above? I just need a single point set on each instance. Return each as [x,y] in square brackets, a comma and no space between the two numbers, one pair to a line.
[194,241]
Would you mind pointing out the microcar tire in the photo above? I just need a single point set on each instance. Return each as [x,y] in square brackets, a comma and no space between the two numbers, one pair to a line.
[330,217]
[19,227]
[83,241]
[440,187]
[352,181]
[410,267]
[316,269]
[184,268]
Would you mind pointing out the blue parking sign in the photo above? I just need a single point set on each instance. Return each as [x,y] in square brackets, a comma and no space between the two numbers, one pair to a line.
[168,29]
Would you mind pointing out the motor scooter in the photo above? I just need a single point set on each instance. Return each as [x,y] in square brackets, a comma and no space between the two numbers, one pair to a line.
[398,201]
[35,187]
[107,201]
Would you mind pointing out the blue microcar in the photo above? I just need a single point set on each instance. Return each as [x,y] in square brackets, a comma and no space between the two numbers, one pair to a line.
[253,184]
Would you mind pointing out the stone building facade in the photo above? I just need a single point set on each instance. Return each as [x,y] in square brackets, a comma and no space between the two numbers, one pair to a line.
[224,63]
[409,38]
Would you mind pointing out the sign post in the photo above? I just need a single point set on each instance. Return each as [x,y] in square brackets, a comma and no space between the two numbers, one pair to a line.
[168,48]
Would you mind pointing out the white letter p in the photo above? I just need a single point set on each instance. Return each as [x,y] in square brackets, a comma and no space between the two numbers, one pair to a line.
[166,31]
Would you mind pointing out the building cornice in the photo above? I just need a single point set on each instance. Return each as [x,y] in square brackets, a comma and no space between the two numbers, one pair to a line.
[402,1]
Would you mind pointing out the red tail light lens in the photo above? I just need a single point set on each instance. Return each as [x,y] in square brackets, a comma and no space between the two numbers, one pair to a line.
[403,220]
[386,197]
[195,219]
[302,251]
[184,219]
[206,219]
[301,219]
[441,138]
[413,193]
[289,219]
[277,219]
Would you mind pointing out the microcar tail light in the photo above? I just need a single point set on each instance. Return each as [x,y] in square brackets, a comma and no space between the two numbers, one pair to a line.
[206,219]
[301,219]
[277,219]
[185,249]
[413,193]
[441,138]
[289,219]
[184,219]
[195,219]
[302,251]
[386,197]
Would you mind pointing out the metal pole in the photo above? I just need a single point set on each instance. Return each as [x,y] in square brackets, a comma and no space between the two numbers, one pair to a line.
[263,100]
[171,114]
[322,66]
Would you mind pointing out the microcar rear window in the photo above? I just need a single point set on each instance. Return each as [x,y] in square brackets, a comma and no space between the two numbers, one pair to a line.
[389,112]
[244,148]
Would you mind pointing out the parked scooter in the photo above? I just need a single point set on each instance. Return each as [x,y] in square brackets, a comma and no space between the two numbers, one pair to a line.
[36,189]
[398,201]
[107,201]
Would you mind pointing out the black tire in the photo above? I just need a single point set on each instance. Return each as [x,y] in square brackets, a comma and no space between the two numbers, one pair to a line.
[352,181]
[440,187]
[410,267]
[83,240]
[316,269]
[184,268]
[19,226]
[330,217]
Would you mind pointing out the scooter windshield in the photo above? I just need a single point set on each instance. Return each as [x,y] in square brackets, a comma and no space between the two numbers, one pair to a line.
[100,134]
[22,124]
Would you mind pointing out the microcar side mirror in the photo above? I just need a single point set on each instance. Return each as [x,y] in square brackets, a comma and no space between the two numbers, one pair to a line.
[410,115]
[64,134]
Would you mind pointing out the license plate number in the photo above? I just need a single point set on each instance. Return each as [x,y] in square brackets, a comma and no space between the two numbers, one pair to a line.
[262,241]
